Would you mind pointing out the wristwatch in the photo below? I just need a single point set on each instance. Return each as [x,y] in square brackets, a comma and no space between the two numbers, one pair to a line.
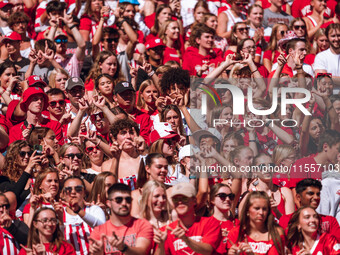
[124,249]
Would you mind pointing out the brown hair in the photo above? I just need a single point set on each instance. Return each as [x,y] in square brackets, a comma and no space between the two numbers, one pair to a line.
[98,187]
[140,101]
[155,28]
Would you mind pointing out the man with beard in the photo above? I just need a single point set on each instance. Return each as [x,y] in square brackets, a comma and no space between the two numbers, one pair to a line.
[122,233]
[328,61]
[5,12]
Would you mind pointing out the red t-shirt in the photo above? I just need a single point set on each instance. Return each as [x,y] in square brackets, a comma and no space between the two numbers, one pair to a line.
[172,54]
[204,230]
[305,168]
[303,8]
[136,228]
[65,249]
[324,244]
[258,247]
[329,224]
[144,122]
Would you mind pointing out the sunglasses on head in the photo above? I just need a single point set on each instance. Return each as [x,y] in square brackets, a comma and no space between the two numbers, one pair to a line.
[91,148]
[24,153]
[296,27]
[93,117]
[58,41]
[111,40]
[73,155]
[119,200]
[323,75]
[169,142]
[223,196]
[78,189]
[54,103]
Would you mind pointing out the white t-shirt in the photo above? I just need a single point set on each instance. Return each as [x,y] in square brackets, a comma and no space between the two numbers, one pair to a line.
[328,61]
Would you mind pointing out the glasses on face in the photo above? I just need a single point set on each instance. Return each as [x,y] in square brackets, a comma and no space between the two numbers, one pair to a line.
[111,40]
[93,117]
[184,200]
[76,91]
[261,166]
[283,32]
[249,48]
[44,221]
[323,75]
[20,22]
[24,153]
[91,148]
[296,27]
[243,29]
[73,155]
[119,200]
[158,49]
[58,41]
[5,206]
[54,103]
[241,4]
[78,189]
[223,196]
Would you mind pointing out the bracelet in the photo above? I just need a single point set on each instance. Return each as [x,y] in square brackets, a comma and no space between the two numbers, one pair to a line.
[73,26]
[254,71]
[151,73]
[124,249]
[254,141]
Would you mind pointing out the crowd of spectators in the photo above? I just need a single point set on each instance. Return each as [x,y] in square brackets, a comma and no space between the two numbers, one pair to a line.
[169,127]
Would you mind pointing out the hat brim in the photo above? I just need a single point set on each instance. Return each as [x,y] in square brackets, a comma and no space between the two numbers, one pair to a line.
[198,134]
[24,104]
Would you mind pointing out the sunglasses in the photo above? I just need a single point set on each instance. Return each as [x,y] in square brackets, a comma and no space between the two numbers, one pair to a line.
[111,40]
[243,29]
[261,166]
[91,148]
[283,32]
[298,27]
[6,206]
[323,75]
[223,196]
[93,117]
[54,103]
[180,199]
[58,41]
[241,4]
[119,200]
[44,221]
[78,189]
[24,153]
[73,155]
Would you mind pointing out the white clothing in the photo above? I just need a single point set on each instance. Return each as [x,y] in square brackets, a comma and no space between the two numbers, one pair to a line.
[328,61]
[307,68]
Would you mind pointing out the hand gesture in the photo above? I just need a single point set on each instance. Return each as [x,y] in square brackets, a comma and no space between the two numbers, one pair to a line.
[160,103]
[133,71]
[13,80]
[35,201]
[159,236]
[298,60]
[175,6]
[67,18]
[146,67]
[39,249]
[230,59]
[115,241]
[48,54]
[83,104]
[34,160]
[179,231]
[115,148]
[33,56]
[97,246]
[27,250]
[99,203]
[59,209]
[140,144]
[99,101]
[26,132]
[281,60]
[54,22]
[259,34]
[5,220]
[104,10]
[66,118]
[246,58]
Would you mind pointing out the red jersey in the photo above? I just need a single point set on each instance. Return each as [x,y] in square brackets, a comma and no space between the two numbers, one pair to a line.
[258,247]
[172,54]
[303,8]
[305,168]
[204,230]
[65,249]
[144,122]
[324,245]
[329,224]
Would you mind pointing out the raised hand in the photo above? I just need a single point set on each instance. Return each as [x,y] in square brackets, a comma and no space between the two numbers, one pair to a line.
[179,231]
[33,56]
[27,250]
[67,18]
[159,236]
[97,246]
[99,101]
[115,241]
[39,249]
[281,60]
[53,21]
[26,132]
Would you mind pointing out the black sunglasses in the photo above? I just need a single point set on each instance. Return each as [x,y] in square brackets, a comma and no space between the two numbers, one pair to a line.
[24,153]
[58,41]
[6,206]
[223,196]
[283,32]
[110,40]
[78,189]
[73,155]
[60,102]
[298,27]
[243,29]
[119,200]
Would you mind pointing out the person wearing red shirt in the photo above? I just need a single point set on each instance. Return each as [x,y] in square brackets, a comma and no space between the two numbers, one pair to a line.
[200,59]
[308,194]
[123,233]
[189,234]
[34,102]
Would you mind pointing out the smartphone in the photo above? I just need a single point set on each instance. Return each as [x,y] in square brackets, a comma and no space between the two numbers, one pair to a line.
[39,149]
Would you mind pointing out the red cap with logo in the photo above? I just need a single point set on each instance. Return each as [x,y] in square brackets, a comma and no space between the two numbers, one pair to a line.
[12,36]
[31,91]
[162,130]
[34,79]
[5,3]
[153,43]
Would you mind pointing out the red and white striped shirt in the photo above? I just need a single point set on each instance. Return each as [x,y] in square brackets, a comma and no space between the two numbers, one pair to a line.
[8,245]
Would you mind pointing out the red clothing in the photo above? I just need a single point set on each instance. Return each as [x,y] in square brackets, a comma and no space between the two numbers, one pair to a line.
[4,123]
[8,245]
[193,61]
[15,133]
[325,244]
[144,122]
[172,54]
[268,54]
[325,25]
[204,230]
[329,224]
[258,247]
[136,228]
[305,168]
[309,59]
[89,85]
[303,8]
[65,249]
[150,20]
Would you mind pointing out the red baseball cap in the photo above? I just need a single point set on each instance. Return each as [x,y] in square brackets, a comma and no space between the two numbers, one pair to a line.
[34,79]
[12,36]
[5,3]
[154,42]
[162,130]
[31,91]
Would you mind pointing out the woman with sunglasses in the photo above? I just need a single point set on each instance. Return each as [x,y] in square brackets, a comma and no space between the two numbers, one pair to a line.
[79,219]
[20,163]
[95,155]
[258,233]
[305,237]
[221,200]
[239,32]
[230,17]
[45,236]
[272,53]
[281,199]
[45,193]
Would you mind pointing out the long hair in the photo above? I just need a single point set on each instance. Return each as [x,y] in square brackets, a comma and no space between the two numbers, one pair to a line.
[281,152]
[156,26]
[37,135]
[88,10]
[41,177]
[33,234]
[148,190]
[320,32]
[140,101]
[98,187]
[53,75]
[270,224]
[272,45]
[213,191]
[12,169]
[175,108]
[240,47]
[96,71]
[162,35]
[233,38]
[294,235]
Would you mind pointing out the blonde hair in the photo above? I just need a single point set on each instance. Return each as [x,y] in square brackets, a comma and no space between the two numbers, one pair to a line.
[320,32]
[162,35]
[140,101]
[53,75]
[281,152]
